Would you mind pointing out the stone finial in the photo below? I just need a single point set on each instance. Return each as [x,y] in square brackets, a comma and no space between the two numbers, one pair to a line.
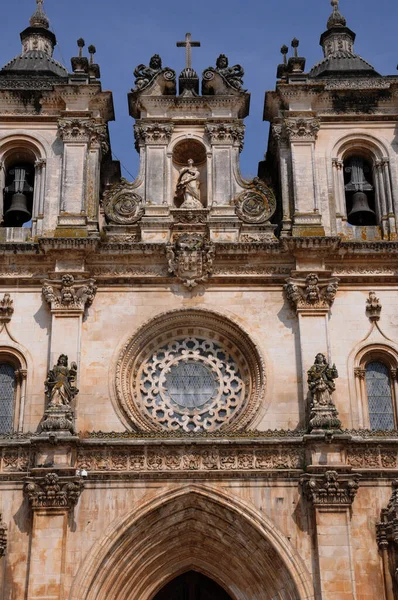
[53,491]
[336,19]
[373,307]
[295,45]
[80,62]
[93,69]
[39,17]
[311,293]
[284,52]
[3,536]
[6,309]
[321,376]
[330,488]
[69,293]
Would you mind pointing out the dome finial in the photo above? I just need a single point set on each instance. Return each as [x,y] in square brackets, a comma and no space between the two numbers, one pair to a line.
[336,19]
[39,17]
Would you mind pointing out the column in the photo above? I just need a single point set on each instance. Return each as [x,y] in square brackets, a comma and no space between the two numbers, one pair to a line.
[51,497]
[390,202]
[331,495]
[339,193]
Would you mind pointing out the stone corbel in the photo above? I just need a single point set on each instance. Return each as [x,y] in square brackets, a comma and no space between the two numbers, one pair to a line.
[3,536]
[312,294]
[53,491]
[330,489]
[68,294]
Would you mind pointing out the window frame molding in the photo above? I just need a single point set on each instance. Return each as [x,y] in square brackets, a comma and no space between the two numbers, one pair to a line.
[17,360]
[375,353]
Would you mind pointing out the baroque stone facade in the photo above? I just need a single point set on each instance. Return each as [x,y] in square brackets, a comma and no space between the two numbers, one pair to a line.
[198,372]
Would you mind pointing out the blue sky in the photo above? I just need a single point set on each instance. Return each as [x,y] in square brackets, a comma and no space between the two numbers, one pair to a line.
[250,32]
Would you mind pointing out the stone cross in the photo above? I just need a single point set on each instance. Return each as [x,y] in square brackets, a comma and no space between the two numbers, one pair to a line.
[188,45]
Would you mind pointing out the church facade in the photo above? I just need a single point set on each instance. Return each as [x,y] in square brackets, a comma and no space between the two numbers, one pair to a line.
[198,372]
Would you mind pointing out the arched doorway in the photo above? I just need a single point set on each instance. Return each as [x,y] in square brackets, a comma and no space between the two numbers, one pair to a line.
[192,586]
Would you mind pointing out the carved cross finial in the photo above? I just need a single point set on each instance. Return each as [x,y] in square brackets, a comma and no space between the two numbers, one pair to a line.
[335,3]
[188,45]
[39,18]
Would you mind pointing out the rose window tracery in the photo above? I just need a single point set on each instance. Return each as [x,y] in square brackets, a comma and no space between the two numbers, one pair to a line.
[190,371]
[191,384]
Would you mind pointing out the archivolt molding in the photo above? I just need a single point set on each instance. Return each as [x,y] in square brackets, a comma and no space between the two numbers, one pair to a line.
[140,553]
[360,140]
[240,388]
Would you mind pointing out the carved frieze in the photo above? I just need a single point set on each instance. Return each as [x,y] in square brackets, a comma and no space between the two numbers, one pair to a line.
[69,293]
[3,536]
[191,258]
[226,133]
[85,131]
[53,491]
[330,488]
[152,133]
[122,205]
[6,309]
[313,292]
[373,307]
[256,204]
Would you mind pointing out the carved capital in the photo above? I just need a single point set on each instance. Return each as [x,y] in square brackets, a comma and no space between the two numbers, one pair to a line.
[53,491]
[359,373]
[226,133]
[6,309]
[3,536]
[330,489]
[301,129]
[191,258]
[87,131]
[311,293]
[338,164]
[40,163]
[69,293]
[152,133]
[373,307]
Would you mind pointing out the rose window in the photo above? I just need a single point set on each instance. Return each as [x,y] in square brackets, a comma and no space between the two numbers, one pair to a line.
[191,384]
[190,371]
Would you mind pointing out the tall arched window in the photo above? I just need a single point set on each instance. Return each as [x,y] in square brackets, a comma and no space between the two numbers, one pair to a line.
[380,397]
[7,397]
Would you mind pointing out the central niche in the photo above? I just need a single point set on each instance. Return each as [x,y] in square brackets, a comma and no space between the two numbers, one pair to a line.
[191,371]
[192,384]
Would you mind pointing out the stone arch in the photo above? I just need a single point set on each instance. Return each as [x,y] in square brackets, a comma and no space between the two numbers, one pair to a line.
[360,140]
[193,527]
[178,322]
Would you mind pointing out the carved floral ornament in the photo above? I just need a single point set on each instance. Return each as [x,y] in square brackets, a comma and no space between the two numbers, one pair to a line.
[256,204]
[313,292]
[53,491]
[202,374]
[84,131]
[190,259]
[121,204]
[69,293]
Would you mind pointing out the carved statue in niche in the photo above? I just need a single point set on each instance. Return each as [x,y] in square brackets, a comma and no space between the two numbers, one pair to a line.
[321,381]
[144,75]
[188,187]
[232,75]
[60,383]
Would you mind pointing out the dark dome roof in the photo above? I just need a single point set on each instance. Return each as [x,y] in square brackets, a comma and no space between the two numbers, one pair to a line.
[35,62]
[343,64]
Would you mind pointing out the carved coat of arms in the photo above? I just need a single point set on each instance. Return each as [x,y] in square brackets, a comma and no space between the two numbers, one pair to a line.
[190,258]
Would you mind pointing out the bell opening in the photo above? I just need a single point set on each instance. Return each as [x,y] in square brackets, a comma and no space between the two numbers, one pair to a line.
[18,195]
[359,192]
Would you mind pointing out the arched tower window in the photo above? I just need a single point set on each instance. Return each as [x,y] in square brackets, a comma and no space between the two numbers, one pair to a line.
[18,193]
[7,397]
[380,397]
[359,191]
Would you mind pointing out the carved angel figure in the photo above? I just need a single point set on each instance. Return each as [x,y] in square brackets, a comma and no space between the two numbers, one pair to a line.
[233,75]
[321,381]
[188,186]
[144,75]
[60,383]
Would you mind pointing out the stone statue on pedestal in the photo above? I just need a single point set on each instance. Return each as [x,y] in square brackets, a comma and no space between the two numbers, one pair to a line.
[60,390]
[188,187]
[321,385]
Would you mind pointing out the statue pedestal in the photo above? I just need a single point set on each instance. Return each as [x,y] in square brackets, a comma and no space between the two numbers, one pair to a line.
[59,419]
[324,418]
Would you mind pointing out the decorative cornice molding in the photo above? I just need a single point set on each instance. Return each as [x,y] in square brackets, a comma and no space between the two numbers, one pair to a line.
[69,293]
[330,489]
[311,293]
[3,536]
[53,491]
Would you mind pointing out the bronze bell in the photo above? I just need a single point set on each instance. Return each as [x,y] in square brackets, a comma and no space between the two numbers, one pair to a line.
[18,213]
[361,213]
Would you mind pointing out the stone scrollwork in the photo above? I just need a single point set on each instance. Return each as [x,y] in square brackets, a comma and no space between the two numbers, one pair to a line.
[203,374]
[330,488]
[53,491]
[144,75]
[191,258]
[313,292]
[3,536]
[321,376]
[231,76]
[122,205]
[256,204]
[69,293]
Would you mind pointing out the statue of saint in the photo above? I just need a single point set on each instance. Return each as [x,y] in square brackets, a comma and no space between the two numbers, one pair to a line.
[144,75]
[321,381]
[60,384]
[188,186]
[233,75]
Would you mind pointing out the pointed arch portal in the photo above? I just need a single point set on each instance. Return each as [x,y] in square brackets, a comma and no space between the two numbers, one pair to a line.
[192,586]
[193,528]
